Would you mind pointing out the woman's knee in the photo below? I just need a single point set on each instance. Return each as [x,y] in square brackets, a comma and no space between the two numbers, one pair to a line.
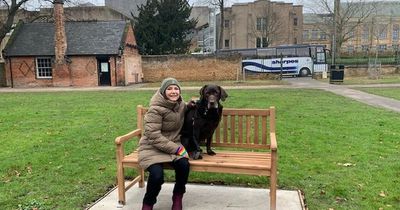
[156,175]
[183,164]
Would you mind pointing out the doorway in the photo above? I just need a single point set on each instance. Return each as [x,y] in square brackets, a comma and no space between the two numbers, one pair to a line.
[104,71]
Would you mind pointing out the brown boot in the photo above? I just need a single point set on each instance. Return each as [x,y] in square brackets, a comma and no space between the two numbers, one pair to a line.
[147,207]
[177,201]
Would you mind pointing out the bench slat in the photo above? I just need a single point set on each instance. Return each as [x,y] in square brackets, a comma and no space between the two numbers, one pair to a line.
[234,160]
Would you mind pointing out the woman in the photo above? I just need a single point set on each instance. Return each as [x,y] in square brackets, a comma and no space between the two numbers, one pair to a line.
[161,143]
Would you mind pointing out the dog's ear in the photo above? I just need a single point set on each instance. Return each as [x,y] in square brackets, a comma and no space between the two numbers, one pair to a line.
[202,91]
[223,93]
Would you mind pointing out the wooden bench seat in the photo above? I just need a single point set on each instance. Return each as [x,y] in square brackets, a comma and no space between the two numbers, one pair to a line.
[244,141]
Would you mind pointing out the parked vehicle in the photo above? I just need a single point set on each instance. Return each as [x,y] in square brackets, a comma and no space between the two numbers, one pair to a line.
[298,60]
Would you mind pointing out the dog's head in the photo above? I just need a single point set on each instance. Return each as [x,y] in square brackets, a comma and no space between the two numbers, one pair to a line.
[212,94]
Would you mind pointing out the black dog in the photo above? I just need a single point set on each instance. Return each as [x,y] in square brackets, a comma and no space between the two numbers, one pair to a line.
[202,120]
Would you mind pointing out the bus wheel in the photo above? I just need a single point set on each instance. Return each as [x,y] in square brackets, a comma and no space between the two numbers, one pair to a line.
[304,72]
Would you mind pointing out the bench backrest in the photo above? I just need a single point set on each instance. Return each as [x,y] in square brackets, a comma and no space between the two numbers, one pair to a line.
[239,128]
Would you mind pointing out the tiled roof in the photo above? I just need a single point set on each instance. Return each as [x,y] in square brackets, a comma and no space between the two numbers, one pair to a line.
[83,38]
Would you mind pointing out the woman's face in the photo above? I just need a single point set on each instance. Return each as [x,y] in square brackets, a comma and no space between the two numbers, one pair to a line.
[172,93]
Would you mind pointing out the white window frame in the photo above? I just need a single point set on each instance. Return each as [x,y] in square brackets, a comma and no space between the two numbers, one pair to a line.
[44,66]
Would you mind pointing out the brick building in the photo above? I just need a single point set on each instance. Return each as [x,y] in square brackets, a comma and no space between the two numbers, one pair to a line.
[72,53]
[262,23]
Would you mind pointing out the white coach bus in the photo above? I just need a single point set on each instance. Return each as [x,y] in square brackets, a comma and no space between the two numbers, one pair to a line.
[296,60]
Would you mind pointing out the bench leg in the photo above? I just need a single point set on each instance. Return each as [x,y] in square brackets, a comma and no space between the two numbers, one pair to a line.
[141,181]
[121,184]
[272,192]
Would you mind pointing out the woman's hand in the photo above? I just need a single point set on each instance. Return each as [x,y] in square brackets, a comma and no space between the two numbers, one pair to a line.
[181,151]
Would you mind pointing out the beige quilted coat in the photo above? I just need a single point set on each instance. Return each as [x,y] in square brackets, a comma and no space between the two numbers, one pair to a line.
[162,124]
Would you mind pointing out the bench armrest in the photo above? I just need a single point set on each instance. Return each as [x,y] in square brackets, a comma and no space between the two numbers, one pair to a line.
[121,139]
[274,144]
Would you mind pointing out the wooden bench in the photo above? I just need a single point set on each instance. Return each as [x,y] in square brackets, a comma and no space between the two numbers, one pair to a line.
[249,133]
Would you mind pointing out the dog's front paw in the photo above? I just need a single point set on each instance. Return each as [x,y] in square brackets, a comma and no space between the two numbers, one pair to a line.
[197,155]
[210,152]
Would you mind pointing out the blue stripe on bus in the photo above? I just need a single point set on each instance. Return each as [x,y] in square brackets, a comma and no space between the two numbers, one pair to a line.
[261,66]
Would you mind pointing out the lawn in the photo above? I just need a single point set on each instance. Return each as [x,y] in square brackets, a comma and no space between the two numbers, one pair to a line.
[364,80]
[58,148]
[389,92]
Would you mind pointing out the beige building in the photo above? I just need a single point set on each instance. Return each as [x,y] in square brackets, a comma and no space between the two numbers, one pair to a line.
[203,37]
[380,31]
[262,23]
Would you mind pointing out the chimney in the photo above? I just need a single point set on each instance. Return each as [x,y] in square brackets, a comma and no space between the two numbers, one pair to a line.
[61,71]
[60,38]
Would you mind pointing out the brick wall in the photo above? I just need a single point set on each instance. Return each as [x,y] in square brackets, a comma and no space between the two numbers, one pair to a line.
[190,67]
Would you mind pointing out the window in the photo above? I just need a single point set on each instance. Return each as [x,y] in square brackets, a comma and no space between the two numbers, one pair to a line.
[261,24]
[261,42]
[364,48]
[322,36]
[382,32]
[365,32]
[226,23]
[382,48]
[306,35]
[314,34]
[350,49]
[43,68]
[396,30]
[295,21]
[227,43]
[395,47]
[351,35]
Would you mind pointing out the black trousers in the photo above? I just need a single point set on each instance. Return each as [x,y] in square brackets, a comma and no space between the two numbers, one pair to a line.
[156,179]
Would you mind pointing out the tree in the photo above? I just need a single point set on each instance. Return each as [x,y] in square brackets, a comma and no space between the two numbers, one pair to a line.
[349,17]
[266,27]
[9,10]
[162,27]
[7,21]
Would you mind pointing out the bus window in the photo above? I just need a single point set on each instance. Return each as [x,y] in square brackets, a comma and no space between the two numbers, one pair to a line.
[320,57]
[286,52]
[303,52]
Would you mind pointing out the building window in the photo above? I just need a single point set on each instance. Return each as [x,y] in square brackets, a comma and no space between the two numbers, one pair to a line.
[295,21]
[306,35]
[382,32]
[227,43]
[395,47]
[351,35]
[43,68]
[350,49]
[396,30]
[261,42]
[382,47]
[261,24]
[314,34]
[226,23]
[322,36]
[365,32]
[364,48]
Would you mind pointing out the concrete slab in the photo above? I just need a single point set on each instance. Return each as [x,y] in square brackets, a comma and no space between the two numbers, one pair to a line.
[204,197]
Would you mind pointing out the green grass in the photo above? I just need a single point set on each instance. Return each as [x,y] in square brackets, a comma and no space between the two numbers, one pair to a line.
[389,92]
[58,148]
[364,80]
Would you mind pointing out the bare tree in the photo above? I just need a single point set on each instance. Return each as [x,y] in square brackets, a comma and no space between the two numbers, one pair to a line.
[266,26]
[10,9]
[28,9]
[350,16]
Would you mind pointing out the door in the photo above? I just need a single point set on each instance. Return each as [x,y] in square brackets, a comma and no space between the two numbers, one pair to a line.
[104,72]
